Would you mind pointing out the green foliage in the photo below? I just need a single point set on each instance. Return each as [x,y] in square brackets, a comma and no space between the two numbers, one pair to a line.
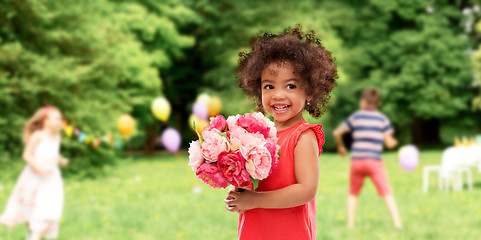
[85,160]
[227,28]
[92,59]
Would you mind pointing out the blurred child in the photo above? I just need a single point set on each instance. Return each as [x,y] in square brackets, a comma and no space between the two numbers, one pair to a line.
[286,74]
[370,129]
[37,198]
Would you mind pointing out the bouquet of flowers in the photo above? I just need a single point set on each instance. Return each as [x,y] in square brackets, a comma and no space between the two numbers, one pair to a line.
[240,151]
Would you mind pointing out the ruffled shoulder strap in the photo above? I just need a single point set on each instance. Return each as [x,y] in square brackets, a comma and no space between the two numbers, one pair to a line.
[317,128]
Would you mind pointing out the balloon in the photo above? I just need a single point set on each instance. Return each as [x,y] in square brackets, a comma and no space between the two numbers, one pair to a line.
[118,144]
[76,132]
[81,137]
[88,139]
[64,123]
[200,110]
[215,105]
[409,157]
[68,131]
[96,143]
[161,109]
[126,125]
[203,98]
[199,123]
[108,138]
[171,140]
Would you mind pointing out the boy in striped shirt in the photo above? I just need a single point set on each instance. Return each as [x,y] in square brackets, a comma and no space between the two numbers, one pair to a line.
[369,129]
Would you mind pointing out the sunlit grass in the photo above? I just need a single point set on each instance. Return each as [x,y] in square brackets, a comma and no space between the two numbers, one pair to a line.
[152,198]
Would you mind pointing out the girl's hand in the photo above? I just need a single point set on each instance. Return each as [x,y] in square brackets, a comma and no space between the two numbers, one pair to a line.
[240,202]
[40,170]
[63,161]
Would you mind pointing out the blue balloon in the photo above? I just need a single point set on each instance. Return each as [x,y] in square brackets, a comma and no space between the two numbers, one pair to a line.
[81,137]
[118,144]
[478,138]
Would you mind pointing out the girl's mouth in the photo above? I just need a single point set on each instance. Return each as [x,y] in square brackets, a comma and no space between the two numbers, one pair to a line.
[280,108]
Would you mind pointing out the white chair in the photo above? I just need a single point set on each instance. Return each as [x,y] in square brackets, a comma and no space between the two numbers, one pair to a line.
[451,178]
[426,171]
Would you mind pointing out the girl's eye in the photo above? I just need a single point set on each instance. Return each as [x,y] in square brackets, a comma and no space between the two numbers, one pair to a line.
[268,87]
[291,86]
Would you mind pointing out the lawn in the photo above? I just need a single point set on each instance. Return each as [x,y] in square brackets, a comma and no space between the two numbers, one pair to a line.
[153,198]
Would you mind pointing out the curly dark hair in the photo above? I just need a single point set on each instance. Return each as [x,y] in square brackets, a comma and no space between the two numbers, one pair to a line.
[311,61]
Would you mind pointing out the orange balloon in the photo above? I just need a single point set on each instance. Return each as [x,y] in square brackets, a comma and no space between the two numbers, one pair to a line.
[64,123]
[126,125]
[96,143]
[214,105]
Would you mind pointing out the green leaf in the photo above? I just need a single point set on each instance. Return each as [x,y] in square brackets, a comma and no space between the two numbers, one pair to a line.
[224,135]
[201,140]
[255,182]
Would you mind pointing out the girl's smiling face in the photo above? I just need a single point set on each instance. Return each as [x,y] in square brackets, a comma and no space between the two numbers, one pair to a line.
[282,94]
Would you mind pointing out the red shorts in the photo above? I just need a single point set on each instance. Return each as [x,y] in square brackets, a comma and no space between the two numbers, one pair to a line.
[368,168]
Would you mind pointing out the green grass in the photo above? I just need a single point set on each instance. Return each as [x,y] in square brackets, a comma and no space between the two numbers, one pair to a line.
[152,198]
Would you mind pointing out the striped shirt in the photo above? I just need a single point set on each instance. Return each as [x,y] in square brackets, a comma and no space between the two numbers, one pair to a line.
[368,129]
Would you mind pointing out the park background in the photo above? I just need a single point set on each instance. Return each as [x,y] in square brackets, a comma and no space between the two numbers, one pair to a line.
[97,60]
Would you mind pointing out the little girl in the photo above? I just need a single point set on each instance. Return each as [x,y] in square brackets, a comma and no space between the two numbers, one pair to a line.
[286,74]
[37,198]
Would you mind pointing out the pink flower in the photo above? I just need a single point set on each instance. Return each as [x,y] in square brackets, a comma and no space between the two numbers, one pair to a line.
[214,143]
[273,149]
[253,125]
[195,155]
[244,140]
[258,162]
[231,165]
[267,122]
[232,121]
[209,174]
[218,122]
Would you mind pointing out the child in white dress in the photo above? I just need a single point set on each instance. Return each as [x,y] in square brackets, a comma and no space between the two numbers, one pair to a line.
[37,198]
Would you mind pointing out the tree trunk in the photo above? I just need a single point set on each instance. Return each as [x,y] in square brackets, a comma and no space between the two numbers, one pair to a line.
[425,132]
[149,148]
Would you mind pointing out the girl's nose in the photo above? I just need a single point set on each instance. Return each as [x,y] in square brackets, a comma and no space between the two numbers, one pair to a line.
[278,94]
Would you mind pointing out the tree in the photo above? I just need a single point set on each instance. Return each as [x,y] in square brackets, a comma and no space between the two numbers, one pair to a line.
[414,52]
[94,60]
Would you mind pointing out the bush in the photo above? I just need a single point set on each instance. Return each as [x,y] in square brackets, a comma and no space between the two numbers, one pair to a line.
[85,160]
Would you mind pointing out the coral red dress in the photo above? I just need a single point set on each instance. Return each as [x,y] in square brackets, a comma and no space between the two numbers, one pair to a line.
[286,223]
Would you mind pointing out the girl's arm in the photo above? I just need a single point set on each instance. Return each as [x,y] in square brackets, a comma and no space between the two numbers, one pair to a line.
[304,190]
[63,161]
[28,154]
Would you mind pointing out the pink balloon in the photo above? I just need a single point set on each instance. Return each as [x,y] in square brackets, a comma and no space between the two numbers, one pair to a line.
[200,110]
[171,140]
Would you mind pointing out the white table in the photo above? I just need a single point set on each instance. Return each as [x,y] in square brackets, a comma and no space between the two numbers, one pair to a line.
[455,162]
[454,157]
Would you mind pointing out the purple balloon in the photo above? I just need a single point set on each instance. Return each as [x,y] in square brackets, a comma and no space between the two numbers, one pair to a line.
[409,157]
[200,110]
[171,140]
